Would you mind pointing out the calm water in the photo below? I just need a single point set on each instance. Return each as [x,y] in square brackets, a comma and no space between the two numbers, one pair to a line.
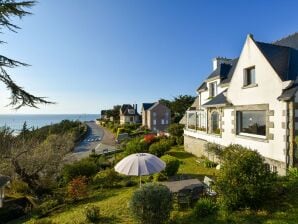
[16,122]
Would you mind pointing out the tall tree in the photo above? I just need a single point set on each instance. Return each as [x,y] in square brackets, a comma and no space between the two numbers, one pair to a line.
[10,9]
[178,106]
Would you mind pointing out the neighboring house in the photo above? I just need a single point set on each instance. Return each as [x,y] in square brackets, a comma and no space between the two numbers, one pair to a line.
[156,116]
[252,101]
[129,114]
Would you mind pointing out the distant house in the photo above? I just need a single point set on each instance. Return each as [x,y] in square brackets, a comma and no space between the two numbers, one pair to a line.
[156,116]
[129,114]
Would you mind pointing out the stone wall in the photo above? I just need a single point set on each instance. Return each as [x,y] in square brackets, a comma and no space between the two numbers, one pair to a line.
[194,146]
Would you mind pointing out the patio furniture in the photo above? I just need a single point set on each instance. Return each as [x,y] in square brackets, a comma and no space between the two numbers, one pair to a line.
[176,186]
[184,198]
[208,186]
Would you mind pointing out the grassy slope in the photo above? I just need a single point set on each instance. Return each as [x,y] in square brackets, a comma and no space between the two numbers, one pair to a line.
[114,203]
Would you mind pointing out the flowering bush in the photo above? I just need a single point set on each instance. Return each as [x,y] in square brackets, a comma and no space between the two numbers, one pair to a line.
[77,188]
[149,138]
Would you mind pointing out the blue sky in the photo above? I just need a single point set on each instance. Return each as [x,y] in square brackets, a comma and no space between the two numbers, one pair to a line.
[89,55]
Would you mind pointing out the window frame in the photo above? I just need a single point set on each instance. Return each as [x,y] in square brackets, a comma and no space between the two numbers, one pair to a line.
[214,84]
[212,131]
[248,73]
[239,120]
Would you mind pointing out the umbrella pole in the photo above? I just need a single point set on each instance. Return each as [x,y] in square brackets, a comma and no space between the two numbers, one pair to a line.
[140,181]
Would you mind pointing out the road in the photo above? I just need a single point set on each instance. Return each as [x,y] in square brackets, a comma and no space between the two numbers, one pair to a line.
[84,148]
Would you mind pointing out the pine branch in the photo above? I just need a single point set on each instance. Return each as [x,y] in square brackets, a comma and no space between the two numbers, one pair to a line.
[10,63]
[19,97]
[10,8]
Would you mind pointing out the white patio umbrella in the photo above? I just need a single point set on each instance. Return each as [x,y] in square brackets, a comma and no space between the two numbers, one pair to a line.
[140,164]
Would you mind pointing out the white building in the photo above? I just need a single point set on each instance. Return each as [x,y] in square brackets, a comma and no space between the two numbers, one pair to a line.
[251,101]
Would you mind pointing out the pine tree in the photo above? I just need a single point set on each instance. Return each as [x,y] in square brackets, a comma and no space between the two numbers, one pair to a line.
[10,9]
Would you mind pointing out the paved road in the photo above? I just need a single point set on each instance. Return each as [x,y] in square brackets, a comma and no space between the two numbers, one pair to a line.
[94,132]
[84,149]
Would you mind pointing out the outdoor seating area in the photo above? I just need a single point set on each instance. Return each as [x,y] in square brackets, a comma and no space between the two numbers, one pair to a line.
[187,192]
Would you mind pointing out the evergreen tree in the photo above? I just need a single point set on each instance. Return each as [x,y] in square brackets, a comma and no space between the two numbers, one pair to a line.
[10,9]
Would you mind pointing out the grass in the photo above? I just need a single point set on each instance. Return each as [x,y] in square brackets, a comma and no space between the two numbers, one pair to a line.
[113,204]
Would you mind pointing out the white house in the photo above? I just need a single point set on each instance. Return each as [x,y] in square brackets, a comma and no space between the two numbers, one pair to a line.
[252,101]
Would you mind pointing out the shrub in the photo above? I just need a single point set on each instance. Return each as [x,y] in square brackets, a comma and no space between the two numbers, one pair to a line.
[18,186]
[209,164]
[180,140]
[159,177]
[106,178]
[129,183]
[160,148]
[293,174]
[44,208]
[84,167]
[244,180]
[172,165]
[204,207]
[92,213]
[136,145]
[152,203]
[77,188]
[176,130]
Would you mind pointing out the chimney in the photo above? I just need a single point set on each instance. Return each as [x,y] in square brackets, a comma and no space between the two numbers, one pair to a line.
[135,106]
[219,60]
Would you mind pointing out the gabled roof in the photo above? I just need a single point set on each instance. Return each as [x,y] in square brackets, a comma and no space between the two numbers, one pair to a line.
[195,105]
[218,101]
[289,41]
[202,87]
[278,57]
[128,110]
[146,106]
[221,71]
[282,56]
[229,76]
[224,71]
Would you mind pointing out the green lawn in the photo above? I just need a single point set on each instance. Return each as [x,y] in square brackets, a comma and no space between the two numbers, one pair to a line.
[113,203]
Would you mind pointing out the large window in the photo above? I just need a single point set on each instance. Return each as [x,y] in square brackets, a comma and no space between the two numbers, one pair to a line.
[249,76]
[201,121]
[251,122]
[215,123]
[191,120]
[212,89]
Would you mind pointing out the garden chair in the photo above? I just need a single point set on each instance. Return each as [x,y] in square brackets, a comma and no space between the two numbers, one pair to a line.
[208,186]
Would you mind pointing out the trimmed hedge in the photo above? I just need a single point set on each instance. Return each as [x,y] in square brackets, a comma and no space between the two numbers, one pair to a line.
[172,165]
[152,203]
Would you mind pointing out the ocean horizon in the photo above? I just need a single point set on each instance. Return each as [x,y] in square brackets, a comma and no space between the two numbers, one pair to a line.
[15,122]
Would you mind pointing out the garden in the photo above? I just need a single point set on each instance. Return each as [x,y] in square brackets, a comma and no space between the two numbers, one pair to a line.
[90,191]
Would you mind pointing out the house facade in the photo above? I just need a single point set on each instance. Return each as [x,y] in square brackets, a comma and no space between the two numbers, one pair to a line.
[156,116]
[129,114]
[251,101]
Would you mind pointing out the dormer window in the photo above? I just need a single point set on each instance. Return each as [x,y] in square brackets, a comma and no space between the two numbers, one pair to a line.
[249,76]
[212,89]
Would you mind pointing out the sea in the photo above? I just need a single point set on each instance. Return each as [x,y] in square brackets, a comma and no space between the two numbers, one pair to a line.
[15,122]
